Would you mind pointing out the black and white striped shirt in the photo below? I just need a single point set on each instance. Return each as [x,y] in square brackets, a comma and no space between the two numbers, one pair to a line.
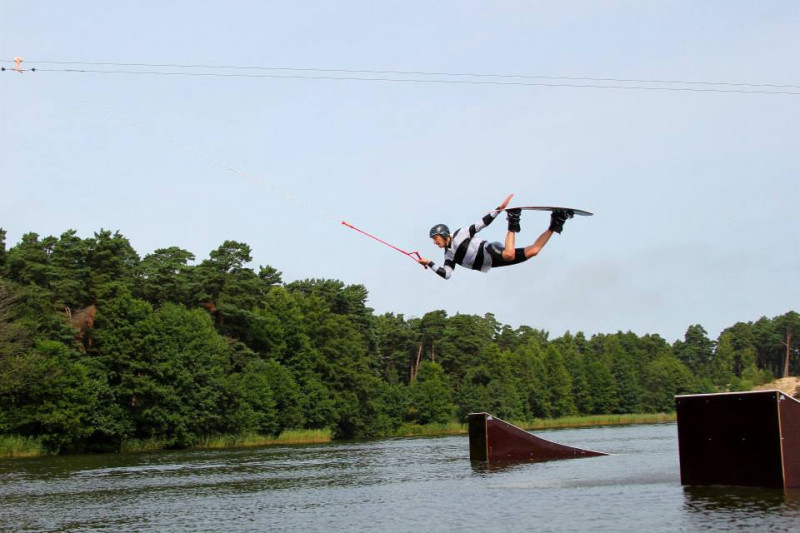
[466,250]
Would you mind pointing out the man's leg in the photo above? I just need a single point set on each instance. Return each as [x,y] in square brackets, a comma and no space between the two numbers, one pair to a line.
[513,216]
[557,219]
[508,251]
[537,246]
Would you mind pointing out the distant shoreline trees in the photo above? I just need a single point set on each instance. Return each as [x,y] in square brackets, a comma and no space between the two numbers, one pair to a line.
[99,345]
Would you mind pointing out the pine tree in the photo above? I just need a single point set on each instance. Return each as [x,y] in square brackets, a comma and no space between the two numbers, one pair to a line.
[559,384]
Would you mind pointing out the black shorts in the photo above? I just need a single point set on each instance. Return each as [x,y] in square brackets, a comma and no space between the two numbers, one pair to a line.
[496,251]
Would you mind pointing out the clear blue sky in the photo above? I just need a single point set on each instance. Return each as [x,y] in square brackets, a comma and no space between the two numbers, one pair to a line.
[696,194]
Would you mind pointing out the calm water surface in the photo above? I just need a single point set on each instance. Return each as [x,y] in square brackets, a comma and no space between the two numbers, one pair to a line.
[419,485]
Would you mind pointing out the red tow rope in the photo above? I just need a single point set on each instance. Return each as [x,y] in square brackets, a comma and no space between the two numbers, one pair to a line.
[412,255]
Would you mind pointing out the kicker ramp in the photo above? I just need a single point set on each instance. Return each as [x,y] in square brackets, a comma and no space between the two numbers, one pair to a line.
[494,440]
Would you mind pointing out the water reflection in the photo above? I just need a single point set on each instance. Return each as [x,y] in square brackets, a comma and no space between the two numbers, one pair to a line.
[743,506]
[716,497]
[485,468]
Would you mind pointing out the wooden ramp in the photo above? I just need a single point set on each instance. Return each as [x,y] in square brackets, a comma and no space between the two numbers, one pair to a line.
[494,440]
[741,438]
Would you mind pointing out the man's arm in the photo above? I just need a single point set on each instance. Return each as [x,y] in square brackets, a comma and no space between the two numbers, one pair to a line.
[446,271]
[505,202]
[489,217]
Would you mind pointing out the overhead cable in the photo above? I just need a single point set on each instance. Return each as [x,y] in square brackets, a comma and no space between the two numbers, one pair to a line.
[411,76]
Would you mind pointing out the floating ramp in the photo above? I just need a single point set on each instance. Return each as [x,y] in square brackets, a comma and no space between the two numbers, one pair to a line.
[741,438]
[494,440]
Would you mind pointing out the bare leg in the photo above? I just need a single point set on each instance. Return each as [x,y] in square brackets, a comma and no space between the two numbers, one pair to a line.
[537,246]
[508,251]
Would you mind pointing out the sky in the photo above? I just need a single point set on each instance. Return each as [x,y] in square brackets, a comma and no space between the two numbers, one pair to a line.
[694,186]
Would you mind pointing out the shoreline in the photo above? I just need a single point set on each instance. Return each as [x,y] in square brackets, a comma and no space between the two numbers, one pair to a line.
[14,447]
[458,428]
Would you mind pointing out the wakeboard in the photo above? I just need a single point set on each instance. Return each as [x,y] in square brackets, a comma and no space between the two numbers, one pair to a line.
[580,212]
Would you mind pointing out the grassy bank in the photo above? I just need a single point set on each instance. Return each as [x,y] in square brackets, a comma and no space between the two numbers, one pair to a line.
[597,420]
[296,436]
[13,446]
[16,446]
[430,430]
[457,428]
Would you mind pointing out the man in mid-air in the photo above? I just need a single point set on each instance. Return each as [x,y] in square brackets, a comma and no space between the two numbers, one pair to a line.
[462,248]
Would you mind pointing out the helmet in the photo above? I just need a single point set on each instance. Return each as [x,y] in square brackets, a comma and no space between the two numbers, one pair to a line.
[440,229]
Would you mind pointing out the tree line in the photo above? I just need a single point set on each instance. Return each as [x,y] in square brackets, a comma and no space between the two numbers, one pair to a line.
[99,345]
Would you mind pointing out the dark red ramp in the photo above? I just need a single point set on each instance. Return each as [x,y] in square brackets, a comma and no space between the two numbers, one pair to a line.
[740,438]
[494,440]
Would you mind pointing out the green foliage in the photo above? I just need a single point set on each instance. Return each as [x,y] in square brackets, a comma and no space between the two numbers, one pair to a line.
[217,353]
[168,368]
[463,341]
[663,379]
[398,346]
[473,394]
[627,381]
[259,409]
[287,394]
[71,272]
[527,363]
[770,344]
[696,351]
[49,396]
[559,385]
[722,368]
[14,338]
[430,395]
[28,263]
[163,276]
[603,388]
[577,364]
[499,386]
[318,404]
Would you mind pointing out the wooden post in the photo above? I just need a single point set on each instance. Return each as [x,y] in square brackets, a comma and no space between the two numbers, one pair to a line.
[788,345]
[415,367]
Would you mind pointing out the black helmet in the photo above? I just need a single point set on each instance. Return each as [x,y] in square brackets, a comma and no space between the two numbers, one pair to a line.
[440,229]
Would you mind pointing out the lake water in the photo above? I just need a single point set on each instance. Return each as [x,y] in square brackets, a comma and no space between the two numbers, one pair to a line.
[397,485]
